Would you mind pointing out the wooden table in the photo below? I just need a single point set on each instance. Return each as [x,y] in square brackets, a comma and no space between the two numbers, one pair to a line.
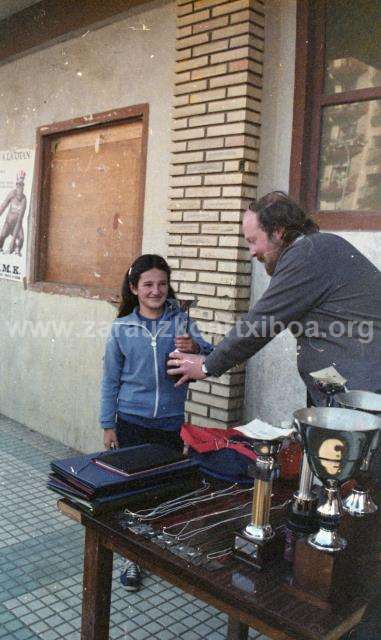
[262,600]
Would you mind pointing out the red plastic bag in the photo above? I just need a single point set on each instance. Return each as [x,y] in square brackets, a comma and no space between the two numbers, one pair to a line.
[207,439]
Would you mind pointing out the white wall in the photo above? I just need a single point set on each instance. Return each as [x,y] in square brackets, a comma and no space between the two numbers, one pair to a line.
[273,387]
[51,383]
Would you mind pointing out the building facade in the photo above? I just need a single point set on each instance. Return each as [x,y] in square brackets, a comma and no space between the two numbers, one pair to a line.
[213,99]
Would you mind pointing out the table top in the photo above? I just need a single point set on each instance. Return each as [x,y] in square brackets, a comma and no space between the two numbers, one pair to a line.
[263,600]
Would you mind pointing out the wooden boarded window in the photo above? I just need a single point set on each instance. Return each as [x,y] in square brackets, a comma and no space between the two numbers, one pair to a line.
[90,209]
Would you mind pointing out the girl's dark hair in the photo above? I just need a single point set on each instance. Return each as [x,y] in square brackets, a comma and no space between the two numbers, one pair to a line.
[277,211]
[144,263]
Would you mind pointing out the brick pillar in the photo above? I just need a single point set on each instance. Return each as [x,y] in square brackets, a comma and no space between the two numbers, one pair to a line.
[216,133]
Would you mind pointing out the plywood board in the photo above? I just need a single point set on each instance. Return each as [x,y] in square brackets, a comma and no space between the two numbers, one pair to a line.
[94,222]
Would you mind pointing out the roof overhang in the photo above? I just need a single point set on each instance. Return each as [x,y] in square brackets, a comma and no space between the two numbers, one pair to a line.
[50,21]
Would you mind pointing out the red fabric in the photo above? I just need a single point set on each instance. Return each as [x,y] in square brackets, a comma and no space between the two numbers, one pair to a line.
[206,439]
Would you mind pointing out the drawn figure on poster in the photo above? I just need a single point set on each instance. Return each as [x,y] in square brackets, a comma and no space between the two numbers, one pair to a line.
[16,203]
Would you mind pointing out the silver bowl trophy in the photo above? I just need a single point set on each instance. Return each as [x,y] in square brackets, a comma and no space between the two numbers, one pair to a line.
[302,514]
[359,503]
[258,543]
[336,442]
[338,446]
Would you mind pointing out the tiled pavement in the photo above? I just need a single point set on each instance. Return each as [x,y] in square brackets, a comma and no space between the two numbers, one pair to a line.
[41,553]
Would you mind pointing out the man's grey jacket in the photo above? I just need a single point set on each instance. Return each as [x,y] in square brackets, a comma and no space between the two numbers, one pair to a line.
[329,295]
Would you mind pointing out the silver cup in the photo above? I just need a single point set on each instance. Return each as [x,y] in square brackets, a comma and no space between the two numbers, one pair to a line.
[336,442]
[359,502]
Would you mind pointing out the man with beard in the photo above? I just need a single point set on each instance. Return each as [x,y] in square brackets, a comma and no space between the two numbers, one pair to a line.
[322,289]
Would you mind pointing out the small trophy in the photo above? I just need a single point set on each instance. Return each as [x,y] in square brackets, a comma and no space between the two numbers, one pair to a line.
[359,503]
[185,305]
[302,514]
[329,382]
[258,544]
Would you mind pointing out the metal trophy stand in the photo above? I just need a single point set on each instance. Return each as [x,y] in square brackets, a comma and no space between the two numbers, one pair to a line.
[258,543]
[359,502]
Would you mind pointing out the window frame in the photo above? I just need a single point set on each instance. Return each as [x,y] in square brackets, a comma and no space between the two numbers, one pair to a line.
[309,102]
[40,216]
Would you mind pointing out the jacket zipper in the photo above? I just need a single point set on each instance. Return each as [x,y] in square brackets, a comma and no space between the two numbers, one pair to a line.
[154,348]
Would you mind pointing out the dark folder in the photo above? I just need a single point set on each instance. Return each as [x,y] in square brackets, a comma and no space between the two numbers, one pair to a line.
[102,503]
[84,474]
[138,459]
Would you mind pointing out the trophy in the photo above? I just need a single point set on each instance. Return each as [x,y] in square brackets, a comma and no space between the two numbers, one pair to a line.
[258,543]
[336,442]
[302,516]
[359,502]
[329,382]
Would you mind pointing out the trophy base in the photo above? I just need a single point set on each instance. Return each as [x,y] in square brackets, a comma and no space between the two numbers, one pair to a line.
[359,503]
[258,553]
[327,540]
[302,520]
[321,577]
[302,513]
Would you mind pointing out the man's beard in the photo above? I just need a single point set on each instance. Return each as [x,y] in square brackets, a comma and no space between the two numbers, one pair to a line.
[270,259]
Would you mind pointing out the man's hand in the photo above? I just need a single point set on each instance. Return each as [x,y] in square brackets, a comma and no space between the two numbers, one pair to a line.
[110,439]
[188,366]
[186,344]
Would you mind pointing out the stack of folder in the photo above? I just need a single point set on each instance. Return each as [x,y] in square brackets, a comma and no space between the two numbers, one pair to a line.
[106,480]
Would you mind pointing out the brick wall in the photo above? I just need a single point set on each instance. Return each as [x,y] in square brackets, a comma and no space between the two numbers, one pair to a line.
[216,134]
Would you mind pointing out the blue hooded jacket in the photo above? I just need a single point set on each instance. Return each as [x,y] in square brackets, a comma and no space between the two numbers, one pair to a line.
[135,380]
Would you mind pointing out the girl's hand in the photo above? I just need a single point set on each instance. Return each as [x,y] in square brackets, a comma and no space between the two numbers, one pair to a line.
[186,344]
[110,439]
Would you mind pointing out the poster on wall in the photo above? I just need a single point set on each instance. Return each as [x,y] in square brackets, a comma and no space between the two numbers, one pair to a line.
[16,176]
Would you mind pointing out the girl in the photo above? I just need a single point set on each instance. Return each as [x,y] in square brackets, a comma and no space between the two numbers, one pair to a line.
[139,402]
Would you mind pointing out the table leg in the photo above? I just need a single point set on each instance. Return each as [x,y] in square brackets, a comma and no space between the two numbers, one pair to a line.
[97,575]
[237,630]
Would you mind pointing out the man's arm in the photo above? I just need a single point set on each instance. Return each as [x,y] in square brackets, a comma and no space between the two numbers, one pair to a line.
[300,282]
